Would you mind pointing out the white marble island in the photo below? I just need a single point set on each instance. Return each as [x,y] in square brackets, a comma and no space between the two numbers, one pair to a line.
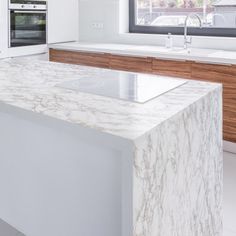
[74,163]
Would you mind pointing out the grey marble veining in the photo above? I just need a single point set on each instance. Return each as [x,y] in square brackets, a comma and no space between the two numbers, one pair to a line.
[30,85]
[178,170]
[176,141]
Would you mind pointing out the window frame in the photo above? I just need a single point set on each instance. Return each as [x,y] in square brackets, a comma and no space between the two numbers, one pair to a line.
[205,31]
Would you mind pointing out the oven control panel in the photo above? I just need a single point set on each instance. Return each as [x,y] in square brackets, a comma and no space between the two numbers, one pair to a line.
[27,5]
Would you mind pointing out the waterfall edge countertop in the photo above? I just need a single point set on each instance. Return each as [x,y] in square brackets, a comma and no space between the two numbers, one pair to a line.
[148,169]
[192,54]
[31,85]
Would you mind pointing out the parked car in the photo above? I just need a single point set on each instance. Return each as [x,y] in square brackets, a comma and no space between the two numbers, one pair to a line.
[175,20]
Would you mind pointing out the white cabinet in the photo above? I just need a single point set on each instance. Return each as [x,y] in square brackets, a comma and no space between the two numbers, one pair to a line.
[63,20]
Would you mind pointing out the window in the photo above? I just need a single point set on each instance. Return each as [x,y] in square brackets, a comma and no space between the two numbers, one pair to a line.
[168,16]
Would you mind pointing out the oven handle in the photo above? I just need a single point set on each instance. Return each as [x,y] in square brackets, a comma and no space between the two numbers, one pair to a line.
[30,12]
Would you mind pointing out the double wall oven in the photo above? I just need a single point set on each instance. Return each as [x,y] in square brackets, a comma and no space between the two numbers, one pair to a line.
[27,22]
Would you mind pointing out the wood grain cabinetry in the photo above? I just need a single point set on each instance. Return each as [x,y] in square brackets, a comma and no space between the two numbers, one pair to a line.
[225,74]
[80,58]
[172,68]
[128,63]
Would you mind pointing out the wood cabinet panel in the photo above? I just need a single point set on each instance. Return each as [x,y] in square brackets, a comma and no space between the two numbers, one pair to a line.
[225,74]
[215,73]
[230,131]
[172,68]
[80,58]
[127,63]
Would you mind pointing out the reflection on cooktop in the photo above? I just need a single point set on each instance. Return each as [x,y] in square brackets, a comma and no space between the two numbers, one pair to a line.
[128,86]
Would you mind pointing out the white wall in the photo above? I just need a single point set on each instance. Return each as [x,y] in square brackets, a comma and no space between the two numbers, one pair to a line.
[113,14]
[100,11]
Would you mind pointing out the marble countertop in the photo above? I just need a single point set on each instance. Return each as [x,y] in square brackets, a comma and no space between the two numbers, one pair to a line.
[31,85]
[194,54]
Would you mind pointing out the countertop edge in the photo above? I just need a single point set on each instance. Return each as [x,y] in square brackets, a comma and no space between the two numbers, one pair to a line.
[159,55]
[218,87]
[99,136]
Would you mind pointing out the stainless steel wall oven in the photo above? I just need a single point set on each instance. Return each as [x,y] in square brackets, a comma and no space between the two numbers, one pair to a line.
[27,22]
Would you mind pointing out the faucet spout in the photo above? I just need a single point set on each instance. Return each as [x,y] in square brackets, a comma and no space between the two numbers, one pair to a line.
[186,40]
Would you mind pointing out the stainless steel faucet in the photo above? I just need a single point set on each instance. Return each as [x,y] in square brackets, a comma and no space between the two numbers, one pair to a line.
[186,39]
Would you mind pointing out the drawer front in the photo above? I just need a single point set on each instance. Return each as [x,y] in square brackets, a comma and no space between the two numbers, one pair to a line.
[215,73]
[80,58]
[172,68]
[127,63]
[227,76]
[230,131]
[224,74]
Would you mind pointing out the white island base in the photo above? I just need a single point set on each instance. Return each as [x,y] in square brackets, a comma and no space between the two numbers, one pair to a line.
[60,178]
[57,179]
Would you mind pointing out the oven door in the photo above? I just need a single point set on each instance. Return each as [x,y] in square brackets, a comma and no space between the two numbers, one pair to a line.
[27,28]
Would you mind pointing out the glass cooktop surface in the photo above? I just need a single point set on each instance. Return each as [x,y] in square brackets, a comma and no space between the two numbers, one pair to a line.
[128,86]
